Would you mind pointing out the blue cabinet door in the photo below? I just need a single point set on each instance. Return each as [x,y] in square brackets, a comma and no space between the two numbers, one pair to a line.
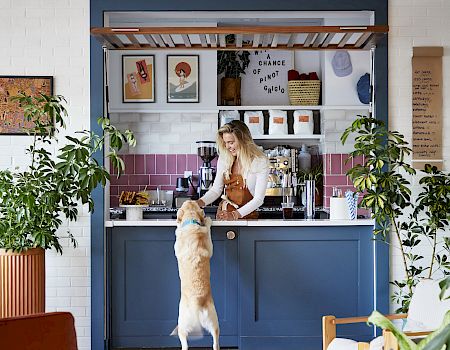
[144,287]
[293,276]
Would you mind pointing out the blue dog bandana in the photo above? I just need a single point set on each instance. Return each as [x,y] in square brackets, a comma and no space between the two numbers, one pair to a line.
[191,222]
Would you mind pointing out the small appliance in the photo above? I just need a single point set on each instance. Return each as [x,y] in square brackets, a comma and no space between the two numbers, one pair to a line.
[181,193]
[206,150]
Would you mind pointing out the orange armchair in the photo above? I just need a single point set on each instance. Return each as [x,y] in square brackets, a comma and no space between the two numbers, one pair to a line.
[46,331]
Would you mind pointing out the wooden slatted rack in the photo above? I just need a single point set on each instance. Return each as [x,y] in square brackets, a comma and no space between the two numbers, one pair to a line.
[244,38]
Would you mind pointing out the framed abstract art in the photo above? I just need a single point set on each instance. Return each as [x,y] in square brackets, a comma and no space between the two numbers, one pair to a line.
[12,119]
[182,78]
[138,78]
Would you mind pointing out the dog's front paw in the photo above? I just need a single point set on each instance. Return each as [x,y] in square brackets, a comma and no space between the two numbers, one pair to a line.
[208,222]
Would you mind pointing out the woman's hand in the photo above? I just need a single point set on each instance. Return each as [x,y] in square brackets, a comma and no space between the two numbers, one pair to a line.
[228,215]
[200,203]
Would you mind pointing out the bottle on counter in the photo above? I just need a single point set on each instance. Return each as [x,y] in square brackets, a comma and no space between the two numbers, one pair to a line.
[304,159]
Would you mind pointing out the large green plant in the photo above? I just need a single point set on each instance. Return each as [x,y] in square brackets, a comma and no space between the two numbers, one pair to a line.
[33,202]
[232,63]
[386,193]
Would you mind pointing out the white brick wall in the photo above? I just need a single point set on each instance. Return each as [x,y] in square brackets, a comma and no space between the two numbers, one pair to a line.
[173,133]
[50,37]
[415,23]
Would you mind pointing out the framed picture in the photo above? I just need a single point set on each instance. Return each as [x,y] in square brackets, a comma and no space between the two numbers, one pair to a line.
[182,78]
[12,120]
[138,78]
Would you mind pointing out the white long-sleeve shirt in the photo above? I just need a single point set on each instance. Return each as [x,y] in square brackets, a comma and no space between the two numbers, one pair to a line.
[256,182]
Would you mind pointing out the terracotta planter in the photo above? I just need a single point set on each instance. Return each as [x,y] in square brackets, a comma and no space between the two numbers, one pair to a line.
[230,91]
[22,281]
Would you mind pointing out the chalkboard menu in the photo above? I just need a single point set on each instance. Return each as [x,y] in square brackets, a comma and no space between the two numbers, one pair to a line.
[265,79]
[427,106]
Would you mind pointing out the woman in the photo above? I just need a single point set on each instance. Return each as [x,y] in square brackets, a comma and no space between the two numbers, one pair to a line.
[242,169]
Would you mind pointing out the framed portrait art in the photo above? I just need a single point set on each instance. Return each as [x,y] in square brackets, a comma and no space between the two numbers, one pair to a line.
[12,119]
[138,78]
[182,78]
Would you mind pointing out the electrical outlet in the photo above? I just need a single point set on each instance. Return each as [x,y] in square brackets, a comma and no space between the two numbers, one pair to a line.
[187,173]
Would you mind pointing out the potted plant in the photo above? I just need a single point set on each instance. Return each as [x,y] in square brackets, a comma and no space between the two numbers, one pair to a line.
[386,193]
[232,64]
[34,201]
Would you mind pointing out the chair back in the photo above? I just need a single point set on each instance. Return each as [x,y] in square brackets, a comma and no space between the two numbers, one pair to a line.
[46,331]
[426,310]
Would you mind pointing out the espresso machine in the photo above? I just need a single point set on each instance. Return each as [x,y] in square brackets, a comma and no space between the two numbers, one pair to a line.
[283,167]
[206,150]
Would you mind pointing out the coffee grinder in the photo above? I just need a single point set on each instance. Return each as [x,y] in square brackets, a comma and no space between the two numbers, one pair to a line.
[206,150]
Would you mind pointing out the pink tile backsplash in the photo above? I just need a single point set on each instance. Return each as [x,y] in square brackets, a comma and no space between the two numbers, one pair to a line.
[335,170]
[181,163]
[150,164]
[146,171]
[139,164]
[171,163]
[151,170]
[161,162]
[336,164]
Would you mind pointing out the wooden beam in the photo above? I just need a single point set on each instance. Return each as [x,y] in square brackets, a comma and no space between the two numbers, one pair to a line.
[159,40]
[212,39]
[186,40]
[150,40]
[243,30]
[344,40]
[239,40]
[222,40]
[362,39]
[256,40]
[114,40]
[274,41]
[291,41]
[168,39]
[328,39]
[203,40]
[319,39]
[133,40]
[309,39]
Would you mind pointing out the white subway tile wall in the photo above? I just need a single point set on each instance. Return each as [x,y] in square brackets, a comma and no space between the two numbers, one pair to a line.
[415,23]
[52,38]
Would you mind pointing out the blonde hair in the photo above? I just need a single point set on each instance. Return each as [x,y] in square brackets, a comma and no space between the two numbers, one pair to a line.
[247,151]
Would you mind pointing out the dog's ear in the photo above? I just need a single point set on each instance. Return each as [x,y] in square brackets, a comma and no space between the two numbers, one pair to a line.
[180,214]
[202,215]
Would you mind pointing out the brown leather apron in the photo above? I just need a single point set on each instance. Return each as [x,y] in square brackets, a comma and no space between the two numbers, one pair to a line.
[238,194]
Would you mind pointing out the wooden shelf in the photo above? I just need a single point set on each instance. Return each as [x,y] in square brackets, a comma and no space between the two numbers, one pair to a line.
[245,37]
[289,107]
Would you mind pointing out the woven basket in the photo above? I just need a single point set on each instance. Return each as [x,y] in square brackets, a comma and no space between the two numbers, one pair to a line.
[304,92]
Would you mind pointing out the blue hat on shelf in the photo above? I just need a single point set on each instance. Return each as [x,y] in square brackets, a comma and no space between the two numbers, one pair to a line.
[363,88]
[342,64]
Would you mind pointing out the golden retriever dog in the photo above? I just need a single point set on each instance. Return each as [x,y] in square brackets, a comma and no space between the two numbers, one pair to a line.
[193,249]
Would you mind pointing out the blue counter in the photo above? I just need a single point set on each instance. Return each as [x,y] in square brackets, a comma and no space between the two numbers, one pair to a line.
[271,284]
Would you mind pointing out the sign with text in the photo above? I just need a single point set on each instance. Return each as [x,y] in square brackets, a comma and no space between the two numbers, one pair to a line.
[427,106]
[265,79]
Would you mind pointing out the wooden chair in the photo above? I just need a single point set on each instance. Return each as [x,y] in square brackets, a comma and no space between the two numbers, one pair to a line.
[426,308]
[46,331]
[329,330]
